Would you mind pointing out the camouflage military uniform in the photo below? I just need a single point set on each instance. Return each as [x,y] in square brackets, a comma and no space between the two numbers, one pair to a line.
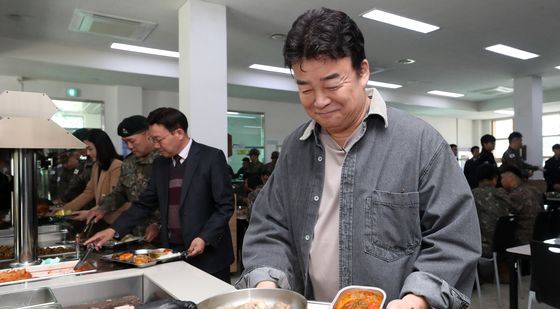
[491,204]
[135,174]
[77,182]
[512,157]
[526,203]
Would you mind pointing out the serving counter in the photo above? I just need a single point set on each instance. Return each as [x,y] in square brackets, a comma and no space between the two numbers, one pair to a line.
[177,280]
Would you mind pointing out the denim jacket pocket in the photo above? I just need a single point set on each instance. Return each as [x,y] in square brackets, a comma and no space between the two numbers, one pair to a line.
[392,224]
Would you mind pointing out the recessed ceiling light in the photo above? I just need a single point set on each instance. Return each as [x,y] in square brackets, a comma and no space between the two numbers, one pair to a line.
[511,51]
[504,112]
[278,36]
[400,21]
[384,85]
[145,50]
[405,61]
[270,68]
[446,94]
[558,67]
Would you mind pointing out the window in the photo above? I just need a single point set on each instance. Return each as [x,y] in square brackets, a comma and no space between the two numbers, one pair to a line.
[247,131]
[551,133]
[73,115]
[501,129]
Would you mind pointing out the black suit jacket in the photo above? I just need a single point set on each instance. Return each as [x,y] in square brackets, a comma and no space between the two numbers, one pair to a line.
[206,205]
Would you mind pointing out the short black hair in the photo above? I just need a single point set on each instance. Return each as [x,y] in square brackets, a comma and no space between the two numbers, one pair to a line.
[513,135]
[245,159]
[170,118]
[507,168]
[473,148]
[104,148]
[254,151]
[555,146]
[486,172]
[324,33]
[274,155]
[453,145]
[266,172]
[487,138]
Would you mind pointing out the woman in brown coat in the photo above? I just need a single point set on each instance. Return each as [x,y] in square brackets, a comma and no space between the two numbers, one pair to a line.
[105,171]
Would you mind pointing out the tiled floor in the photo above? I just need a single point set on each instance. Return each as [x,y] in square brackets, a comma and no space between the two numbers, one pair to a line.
[490,295]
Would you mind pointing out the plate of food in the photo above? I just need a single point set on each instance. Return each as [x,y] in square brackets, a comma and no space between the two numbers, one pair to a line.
[356,296]
[131,258]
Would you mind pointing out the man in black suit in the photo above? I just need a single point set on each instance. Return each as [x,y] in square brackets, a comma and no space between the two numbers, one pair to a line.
[191,187]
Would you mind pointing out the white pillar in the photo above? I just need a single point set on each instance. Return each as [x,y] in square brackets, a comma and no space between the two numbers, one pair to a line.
[527,103]
[203,71]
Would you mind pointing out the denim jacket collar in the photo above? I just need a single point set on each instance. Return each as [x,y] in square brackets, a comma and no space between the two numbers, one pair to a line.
[377,106]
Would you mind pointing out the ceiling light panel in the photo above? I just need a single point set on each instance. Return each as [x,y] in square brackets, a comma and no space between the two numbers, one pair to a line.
[446,94]
[270,68]
[511,51]
[400,21]
[145,50]
[383,85]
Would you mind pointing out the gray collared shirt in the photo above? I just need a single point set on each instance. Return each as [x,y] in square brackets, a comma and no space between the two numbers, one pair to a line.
[407,220]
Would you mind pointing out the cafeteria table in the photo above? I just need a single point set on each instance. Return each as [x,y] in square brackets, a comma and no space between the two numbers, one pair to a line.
[514,256]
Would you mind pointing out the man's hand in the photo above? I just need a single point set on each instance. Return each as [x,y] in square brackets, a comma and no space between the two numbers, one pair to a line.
[101,237]
[266,285]
[80,215]
[197,247]
[409,301]
[95,214]
[151,232]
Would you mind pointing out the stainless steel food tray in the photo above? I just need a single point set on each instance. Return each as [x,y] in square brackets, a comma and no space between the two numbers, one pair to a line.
[42,272]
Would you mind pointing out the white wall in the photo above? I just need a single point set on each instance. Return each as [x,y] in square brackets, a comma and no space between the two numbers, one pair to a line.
[152,99]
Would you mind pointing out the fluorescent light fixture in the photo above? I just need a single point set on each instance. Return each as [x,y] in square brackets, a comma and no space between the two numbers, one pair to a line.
[400,21]
[252,127]
[510,51]
[504,112]
[270,68]
[446,94]
[145,50]
[503,89]
[232,113]
[382,84]
[558,67]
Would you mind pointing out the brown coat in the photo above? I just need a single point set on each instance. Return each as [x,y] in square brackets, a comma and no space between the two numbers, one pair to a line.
[99,185]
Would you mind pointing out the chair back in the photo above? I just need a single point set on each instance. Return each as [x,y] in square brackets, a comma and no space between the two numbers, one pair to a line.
[503,234]
[545,226]
[545,272]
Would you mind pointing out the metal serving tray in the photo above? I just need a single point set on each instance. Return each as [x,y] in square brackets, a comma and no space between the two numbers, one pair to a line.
[42,272]
[174,256]
[36,298]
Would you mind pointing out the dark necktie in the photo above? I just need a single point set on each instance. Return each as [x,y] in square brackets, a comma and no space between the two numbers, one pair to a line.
[177,160]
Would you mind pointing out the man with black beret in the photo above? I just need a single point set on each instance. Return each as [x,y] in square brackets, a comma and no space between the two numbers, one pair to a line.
[135,173]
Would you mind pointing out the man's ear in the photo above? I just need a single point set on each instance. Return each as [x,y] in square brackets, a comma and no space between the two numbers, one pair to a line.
[364,72]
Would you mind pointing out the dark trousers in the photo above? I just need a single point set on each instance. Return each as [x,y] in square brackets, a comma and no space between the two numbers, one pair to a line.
[223,275]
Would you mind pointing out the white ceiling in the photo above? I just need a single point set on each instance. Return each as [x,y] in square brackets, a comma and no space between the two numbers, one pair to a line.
[35,43]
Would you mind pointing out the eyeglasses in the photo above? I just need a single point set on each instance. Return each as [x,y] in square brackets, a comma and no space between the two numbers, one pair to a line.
[157,140]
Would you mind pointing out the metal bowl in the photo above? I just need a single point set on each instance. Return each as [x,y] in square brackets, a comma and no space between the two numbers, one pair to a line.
[240,297]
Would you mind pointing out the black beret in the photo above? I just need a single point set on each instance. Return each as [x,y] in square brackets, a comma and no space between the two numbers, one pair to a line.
[506,168]
[132,125]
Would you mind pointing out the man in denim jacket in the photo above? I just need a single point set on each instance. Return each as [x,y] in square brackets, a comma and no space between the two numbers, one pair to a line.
[362,194]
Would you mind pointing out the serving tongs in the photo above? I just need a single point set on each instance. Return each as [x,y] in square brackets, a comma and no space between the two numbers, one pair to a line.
[87,230]
[84,257]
